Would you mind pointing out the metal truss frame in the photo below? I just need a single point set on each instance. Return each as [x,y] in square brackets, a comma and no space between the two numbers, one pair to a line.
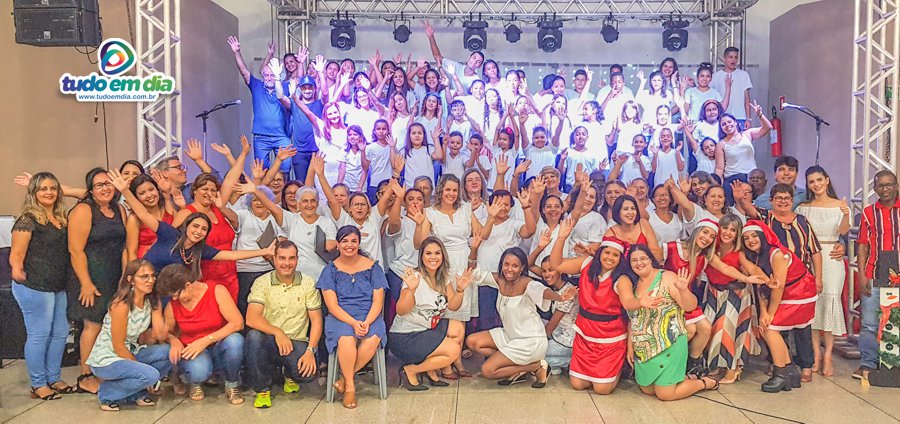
[874,107]
[725,17]
[158,45]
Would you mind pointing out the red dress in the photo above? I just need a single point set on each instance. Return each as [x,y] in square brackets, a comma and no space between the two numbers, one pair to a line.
[719,279]
[147,237]
[598,350]
[675,262]
[798,301]
[200,322]
[221,236]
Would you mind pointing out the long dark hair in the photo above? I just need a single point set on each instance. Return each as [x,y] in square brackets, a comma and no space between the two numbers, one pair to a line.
[195,253]
[89,195]
[125,292]
[134,163]
[605,207]
[284,193]
[816,169]
[346,231]
[763,258]
[442,274]
[617,209]
[144,178]
[595,270]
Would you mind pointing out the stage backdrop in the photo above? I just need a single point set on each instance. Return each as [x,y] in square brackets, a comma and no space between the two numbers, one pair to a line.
[44,130]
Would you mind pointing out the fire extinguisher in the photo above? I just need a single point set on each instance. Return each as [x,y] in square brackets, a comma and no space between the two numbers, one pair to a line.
[775,134]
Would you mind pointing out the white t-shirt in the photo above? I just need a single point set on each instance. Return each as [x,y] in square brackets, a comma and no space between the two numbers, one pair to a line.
[705,129]
[456,165]
[464,127]
[364,118]
[399,129]
[460,69]
[565,134]
[511,156]
[429,307]
[354,170]
[704,163]
[589,229]
[251,228]
[597,133]
[740,83]
[615,105]
[489,128]
[419,163]
[405,255]
[379,163]
[370,230]
[503,236]
[651,102]
[740,158]
[587,159]
[657,129]
[666,166]
[540,157]
[694,97]
[474,107]
[625,138]
[430,125]
[334,156]
[631,170]
[666,232]
[304,236]
[541,227]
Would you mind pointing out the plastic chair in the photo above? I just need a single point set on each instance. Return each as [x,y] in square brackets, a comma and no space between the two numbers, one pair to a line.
[380,373]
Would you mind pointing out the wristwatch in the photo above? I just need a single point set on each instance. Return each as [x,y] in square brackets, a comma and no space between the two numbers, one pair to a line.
[314,350]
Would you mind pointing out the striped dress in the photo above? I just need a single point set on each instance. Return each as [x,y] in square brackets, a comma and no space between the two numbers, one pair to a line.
[729,307]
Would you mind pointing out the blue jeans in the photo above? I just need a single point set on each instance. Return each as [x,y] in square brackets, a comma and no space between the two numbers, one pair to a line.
[870,308]
[47,327]
[224,357]
[263,356]
[300,162]
[127,380]
[263,144]
[558,356]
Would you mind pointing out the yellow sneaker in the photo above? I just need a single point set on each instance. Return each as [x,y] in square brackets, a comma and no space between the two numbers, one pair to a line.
[291,386]
[263,400]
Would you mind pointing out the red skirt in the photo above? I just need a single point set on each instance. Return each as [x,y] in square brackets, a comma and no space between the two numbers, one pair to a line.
[597,362]
[694,316]
[798,305]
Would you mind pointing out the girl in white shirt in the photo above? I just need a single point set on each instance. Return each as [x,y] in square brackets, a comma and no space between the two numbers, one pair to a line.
[474,101]
[365,110]
[577,154]
[593,120]
[667,162]
[696,97]
[539,152]
[556,119]
[658,94]
[704,150]
[506,148]
[355,168]
[735,156]
[430,118]
[625,127]
[454,157]
[400,117]
[331,137]
[493,114]
[419,157]
[378,156]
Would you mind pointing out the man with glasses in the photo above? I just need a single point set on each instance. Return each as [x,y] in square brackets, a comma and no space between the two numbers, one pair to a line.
[176,174]
[877,256]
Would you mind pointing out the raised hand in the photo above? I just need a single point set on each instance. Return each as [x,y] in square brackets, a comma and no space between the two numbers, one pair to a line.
[22,179]
[580,175]
[524,198]
[222,149]
[118,181]
[463,280]
[757,109]
[272,46]
[286,153]
[302,56]
[640,75]
[257,171]
[245,188]
[502,164]
[451,68]
[539,185]
[563,154]
[688,125]
[178,199]
[476,203]
[522,167]
[845,208]
[234,43]
[421,63]
[436,134]
[411,278]
[683,280]
[415,214]
[546,238]
[728,81]
[318,163]
[493,209]
[396,188]
[568,295]
[319,64]
[565,227]
[429,30]
[194,150]
[398,162]
[398,59]
[684,185]
[165,186]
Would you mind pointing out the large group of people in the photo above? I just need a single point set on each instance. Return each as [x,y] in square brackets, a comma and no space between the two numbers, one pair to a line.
[443,210]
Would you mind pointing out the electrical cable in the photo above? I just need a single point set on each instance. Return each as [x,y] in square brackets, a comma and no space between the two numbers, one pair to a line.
[105,135]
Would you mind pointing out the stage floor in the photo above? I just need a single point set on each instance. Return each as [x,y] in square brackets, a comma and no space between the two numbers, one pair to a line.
[838,399]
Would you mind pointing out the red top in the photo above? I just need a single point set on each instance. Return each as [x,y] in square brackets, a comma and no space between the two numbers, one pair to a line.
[641,239]
[675,260]
[200,322]
[147,237]
[879,229]
[715,277]
[221,236]
[599,297]
[800,284]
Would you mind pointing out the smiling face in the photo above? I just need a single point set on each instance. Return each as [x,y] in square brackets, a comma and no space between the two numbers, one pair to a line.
[147,194]
[333,114]
[540,138]
[728,125]
[206,194]
[663,115]
[727,234]
[699,187]
[196,230]
[268,77]
[656,83]
[432,257]
[751,241]
[662,199]
[886,189]
[102,189]
[590,198]
[580,137]
[503,141]
[782,203]
[613,192]
[666,138]
[308,204]
[143,280]
[455,144]
[639,142]
[610,258]
[285,262]
[129,171]
[473,183]
[553,209]
[715,199]
[705,237]
[640,188]
[349,245]
[277,183]
[667,68]
[331,70]
[704,77]
[552,180]
[359,207]
[450,193]
[550,275]
[431,79]
[290,198]
[47,192]
[628,213]
[786,175]
[475,61]
[348,66]
[511,268]
[362,99]
[342,195]
[631,112]
[640,263]
[559,86]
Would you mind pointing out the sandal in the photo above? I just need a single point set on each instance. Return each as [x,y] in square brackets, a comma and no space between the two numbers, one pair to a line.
[462,373]
[64,390]
[706,387]
[516,379]
[349,400]
[339,386]
[196,392]
[78,388]
[110,406]
[145,402]
[452,376]
[52,396]
[234,395]
[541,375]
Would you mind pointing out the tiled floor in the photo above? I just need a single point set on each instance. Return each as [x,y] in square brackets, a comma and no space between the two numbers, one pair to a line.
[826,400]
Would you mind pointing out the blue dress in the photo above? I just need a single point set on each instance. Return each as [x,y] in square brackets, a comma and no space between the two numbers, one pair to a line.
[354,294]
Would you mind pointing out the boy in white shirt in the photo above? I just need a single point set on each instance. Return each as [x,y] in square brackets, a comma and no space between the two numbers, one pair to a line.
[739,103]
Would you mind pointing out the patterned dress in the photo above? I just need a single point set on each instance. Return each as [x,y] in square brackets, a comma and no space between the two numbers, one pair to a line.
[729,307]
[659,339]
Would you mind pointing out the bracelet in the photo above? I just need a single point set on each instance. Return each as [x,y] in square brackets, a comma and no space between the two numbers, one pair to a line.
[526,207]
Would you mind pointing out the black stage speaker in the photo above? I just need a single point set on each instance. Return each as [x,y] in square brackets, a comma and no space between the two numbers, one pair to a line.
[57,22]
[12,327]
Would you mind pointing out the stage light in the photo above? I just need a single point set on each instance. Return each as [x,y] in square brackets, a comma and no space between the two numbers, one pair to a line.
[675,36]
[343,36]
[549,36]
[513,33]
[475,35]
[609,32]
[401,33]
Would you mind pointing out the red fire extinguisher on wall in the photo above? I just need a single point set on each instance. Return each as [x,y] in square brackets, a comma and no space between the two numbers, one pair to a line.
[775,134]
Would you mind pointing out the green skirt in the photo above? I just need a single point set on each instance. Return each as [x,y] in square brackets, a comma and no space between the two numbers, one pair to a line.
[666,369]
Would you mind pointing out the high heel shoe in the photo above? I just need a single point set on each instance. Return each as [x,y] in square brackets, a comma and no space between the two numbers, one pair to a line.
[541,375]
[436,382]
[462,373]
[407,384]
[780,380]
[735,377]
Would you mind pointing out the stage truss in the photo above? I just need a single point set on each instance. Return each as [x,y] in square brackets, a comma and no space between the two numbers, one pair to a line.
[874,108]
[158,45]
[725,18]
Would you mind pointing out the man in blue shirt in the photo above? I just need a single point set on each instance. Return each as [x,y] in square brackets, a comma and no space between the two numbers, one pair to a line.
[785,173]
[303,133]
[269,116]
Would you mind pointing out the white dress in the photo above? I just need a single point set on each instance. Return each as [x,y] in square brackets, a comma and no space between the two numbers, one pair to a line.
[522,337]
[829,309]
[454,232]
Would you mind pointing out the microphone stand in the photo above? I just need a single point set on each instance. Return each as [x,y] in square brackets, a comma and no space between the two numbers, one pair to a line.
[204,116]
[819,122]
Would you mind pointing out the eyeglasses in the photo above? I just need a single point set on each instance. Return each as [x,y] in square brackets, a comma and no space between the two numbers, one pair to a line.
[782,199]
[179,167]
[886,186]
[102,185]
[358,205]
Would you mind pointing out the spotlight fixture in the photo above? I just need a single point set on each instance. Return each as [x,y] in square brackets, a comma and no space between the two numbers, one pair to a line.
[549,36]
[475,35]
[401,33]
[513,33]
[675,36]
[343,34]
[609,32]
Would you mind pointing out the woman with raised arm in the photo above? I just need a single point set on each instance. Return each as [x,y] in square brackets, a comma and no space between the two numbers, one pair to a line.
[552,213]
[712,200]
[353,289]
[658,347]
[420,335]
[588,225]
[127,367]
[735,155]
[146,189]
[96,238]
[40,265]
[517,348]
[598,351]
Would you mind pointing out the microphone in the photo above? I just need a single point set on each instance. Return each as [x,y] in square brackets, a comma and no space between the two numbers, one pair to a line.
[787,105]
[231,103]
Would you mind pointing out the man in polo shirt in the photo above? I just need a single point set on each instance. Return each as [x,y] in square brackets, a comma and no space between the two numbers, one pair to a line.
[284,306]
[269,115]
[878,248]
[302,131]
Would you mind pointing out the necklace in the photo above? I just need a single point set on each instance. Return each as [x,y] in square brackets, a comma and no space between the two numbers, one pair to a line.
[188,260]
